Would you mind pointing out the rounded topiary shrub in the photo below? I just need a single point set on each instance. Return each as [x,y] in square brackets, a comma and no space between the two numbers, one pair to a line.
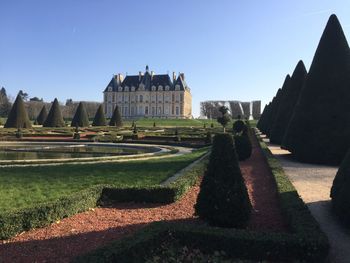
[243,146]
[340,192]
[238,126]
[223,199]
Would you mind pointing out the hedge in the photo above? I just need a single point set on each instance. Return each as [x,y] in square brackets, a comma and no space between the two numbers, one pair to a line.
[305,242]
[15,222]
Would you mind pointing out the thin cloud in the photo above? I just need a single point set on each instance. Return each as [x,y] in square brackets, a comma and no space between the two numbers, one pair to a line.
[313,13]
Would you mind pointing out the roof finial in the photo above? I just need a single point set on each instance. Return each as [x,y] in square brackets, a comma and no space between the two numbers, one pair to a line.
[147,68]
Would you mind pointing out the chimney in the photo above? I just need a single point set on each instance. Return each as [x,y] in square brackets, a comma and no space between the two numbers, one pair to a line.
[174,76]
[182,75]
[120,78]
[152,74]
[140,75]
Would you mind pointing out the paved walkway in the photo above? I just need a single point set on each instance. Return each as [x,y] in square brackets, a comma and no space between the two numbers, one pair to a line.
[313,183]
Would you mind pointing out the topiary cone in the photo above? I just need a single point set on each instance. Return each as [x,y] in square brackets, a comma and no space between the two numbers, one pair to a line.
[340,192]
[42,116]
[99,119]
[116,119]
[81,117]
[54,118]
[18,117]
[288,102]
[223,198]
[319,130]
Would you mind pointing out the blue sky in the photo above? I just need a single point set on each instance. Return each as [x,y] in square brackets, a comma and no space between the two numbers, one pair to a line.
[237,50]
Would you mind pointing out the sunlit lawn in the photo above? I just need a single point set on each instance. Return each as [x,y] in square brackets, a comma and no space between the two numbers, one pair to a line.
[27,186]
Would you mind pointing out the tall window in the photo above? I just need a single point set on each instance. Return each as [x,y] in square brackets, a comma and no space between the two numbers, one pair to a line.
[141,98]
[181,97]
[177,110]
[146,110]
[159,110]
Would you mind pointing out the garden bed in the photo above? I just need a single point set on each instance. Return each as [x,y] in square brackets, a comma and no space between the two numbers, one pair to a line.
[303,240]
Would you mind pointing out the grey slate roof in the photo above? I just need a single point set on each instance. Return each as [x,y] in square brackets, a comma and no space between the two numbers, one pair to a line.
[147,80]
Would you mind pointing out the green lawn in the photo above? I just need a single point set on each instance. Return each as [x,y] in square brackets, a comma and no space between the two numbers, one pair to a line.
[148,122]
[27,186]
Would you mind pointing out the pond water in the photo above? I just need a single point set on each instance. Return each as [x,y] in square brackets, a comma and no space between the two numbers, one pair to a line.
[47,151]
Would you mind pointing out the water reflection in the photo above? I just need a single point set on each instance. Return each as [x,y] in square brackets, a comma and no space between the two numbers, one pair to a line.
[32,152]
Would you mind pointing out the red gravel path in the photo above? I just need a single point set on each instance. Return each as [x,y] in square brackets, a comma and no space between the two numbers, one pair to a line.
[86,231]
[266,215]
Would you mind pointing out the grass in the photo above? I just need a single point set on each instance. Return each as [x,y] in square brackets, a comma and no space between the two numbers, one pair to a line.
[23,187]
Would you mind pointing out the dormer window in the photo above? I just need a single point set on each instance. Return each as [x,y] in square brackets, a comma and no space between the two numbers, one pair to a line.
[167,88]
[154,88]
[160,87]
[126,88]
[132,88]
[120,89]
[177,87]
[109,88]
[141,87]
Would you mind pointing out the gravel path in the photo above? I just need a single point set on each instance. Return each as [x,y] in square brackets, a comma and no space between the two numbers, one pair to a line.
[313,183]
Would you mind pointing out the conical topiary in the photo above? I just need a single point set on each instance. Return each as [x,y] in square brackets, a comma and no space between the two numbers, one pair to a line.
[116,119]
[42,116]
[100,119]
[340,192]
[81,118]
[223,199]
[54,118]
[18,117]
[243,144]
[261,125]
[288,102]
[276,104]
[319,131]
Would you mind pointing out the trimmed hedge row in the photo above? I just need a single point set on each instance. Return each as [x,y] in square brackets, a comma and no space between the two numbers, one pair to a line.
[15,222]
[306,242]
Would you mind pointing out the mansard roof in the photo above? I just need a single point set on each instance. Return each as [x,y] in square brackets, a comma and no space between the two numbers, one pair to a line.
[181,82]
[131,81]
[147,80]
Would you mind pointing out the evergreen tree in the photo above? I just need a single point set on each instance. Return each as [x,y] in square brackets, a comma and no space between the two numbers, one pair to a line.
[319,131]
[81,118]
[224,118]
[288,102]
[243,144]
[54,118]
[42,116]
[223,199]
[340,192]
[261,125]
[276,104]
[18,117]
[5,105]
[116,119]
[100,119]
